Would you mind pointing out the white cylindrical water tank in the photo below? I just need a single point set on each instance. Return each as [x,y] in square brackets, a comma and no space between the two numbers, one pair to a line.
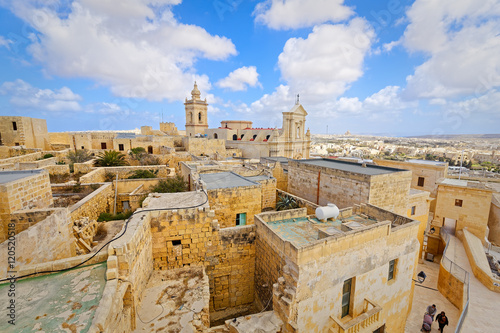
[330,211]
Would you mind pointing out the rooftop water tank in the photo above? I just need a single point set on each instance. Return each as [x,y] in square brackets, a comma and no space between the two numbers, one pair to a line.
[330,211]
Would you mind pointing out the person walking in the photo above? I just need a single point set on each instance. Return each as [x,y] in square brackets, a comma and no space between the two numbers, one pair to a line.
[442,320]
[431,310]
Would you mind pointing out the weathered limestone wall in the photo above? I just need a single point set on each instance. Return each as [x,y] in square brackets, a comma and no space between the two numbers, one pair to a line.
[23,219]
[84,167]
[281,177]
[478,261]
[37,164]
[227,202]
[98,175]
[268,194]
[47,240]
[311,207]
[342,188]
[420,200]
[30,132]
[192,237]
[198,146]
[474,212]
[22,158]
[451,287]
[99,201]
[30,192]
[62,169]
[494,220]
[390,191]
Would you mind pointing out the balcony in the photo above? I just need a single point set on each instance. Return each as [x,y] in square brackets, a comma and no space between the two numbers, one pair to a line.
[364,321]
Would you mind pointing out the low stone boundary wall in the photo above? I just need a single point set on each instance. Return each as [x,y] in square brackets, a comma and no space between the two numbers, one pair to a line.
[37,164]
[58,169]
[84,167]
[7,167]
[94,204]
[98,175]
[478,261]
[48,240]
[22,158]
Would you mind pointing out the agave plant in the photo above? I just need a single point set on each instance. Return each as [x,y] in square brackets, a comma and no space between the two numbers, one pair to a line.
[110,158]
[286,202]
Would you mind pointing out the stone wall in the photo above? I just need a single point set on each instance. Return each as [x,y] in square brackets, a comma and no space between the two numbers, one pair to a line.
[192,237]
[32,191]
[198,146]
[23,219]
[268,194]
[37,164]
[390,191]
[478,261]
[98,175]
[22,158]
[342,188]
[227,202]
[281,177]
[58,169]
[47,240]
[99,201]
[494,220]
[84,167]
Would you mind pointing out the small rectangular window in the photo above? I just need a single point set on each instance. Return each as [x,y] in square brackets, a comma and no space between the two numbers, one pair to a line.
[392,264]
[176,242]
[83,147]
[241,219]
[103,145]
[14,126]
[346,297]
[413,209]
[16,143]
[458,202]
[120,147]
[421,181]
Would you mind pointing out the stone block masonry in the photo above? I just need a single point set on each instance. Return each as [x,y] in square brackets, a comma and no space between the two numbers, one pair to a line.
[99,201]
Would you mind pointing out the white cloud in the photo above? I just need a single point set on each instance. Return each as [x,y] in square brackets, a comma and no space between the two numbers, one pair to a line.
[461,40]
[240,78]
[293,14]
[136,47]
[389,46]
[5,42]
[25,96]
[328,60]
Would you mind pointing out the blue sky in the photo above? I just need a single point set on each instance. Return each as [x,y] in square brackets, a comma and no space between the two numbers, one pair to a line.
[372,67]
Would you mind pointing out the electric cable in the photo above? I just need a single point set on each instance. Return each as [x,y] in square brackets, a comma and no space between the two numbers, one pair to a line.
[118,237]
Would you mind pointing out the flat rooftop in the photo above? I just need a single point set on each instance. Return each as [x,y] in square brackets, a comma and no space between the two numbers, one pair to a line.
[350,166]
[463,183]
[304,230]
[10,176]
[437,163]
[258,178]
[60,302]
[225,180]
[176,200]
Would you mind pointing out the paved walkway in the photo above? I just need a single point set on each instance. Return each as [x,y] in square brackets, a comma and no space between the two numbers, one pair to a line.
[484,313]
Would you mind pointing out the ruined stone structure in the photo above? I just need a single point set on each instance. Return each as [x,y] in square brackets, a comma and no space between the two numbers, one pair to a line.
[24,131]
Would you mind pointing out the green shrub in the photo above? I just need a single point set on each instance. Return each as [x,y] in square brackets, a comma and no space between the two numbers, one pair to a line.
[137,174]
[171,185]
[286,202]
[47,156]
[105,217]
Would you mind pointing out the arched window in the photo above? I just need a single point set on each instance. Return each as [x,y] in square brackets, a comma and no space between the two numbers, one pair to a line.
[242,136]
[199,117]
[235,137]
[254,136]
[216,136]
[191,117]
[267,137]
[150,149]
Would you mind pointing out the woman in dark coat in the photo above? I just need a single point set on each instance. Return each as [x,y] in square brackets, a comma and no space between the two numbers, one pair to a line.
[442,320]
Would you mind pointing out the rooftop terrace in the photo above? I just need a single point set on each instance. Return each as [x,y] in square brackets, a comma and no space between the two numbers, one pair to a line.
[304,230]
[225,180]
[368,169]
[61,302]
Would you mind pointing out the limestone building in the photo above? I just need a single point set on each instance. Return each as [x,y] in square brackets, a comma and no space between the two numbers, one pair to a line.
[24,131]
[196,113]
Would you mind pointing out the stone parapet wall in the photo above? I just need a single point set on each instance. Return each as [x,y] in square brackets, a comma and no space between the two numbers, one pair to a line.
[38,163]
[390,191]
[23,219]
[99,201]
[82,168]
[268,194]
[58,169]
[98,175]
[46,241]
[7,167]
[22,158]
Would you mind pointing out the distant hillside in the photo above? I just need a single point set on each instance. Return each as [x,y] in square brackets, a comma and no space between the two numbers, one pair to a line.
[458,136]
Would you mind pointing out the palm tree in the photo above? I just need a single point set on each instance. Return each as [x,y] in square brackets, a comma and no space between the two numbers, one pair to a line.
[79,156]
[110,158]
